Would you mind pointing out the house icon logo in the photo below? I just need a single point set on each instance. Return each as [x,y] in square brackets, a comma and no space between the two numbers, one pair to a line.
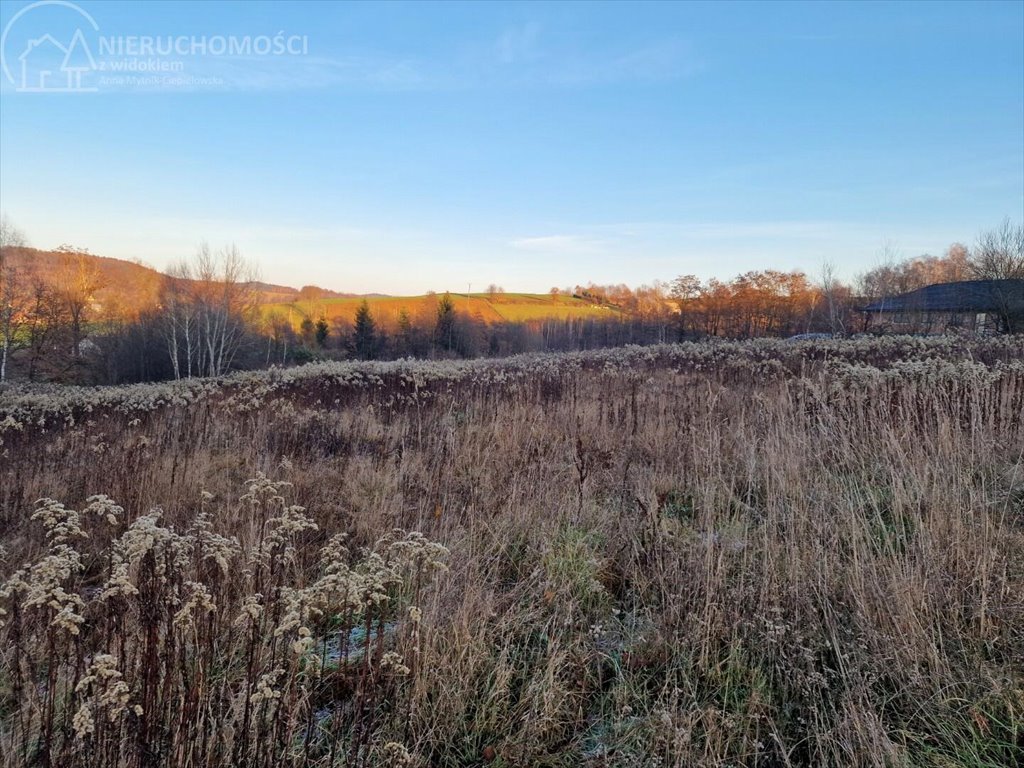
[46,64]
[77,58]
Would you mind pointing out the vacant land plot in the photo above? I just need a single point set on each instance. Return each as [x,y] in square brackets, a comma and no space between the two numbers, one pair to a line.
[756,554]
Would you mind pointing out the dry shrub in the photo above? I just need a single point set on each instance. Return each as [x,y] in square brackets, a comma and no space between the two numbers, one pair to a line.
[759,554]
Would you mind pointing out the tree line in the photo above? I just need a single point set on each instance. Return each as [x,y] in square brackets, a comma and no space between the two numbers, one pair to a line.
[770,303]
[203,317]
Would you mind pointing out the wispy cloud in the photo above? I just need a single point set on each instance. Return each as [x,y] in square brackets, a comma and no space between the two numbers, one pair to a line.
[656,61]
[567,245]
[746,230]
[728,230]
[530,54]
[634,237]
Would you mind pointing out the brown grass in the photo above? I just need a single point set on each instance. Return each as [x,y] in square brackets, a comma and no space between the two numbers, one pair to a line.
[642,565]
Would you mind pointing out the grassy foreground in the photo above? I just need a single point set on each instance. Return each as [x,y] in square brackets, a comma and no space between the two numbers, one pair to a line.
[757,554]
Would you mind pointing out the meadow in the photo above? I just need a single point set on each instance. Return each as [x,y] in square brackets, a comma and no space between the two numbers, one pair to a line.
[758,553]
[489,308]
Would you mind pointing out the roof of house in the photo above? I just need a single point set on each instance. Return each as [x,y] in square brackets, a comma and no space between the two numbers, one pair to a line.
[964,296]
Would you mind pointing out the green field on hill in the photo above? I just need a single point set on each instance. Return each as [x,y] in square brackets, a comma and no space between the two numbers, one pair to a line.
[491,308]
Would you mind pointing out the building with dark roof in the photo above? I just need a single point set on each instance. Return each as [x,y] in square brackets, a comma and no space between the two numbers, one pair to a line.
[981,306]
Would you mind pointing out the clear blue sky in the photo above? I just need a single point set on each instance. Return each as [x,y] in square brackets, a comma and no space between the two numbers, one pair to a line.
[421,146]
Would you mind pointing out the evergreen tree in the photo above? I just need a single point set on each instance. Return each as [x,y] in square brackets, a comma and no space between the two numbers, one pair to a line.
[322,332]
[308,331]
[444,330]
[364,338]
[404,345]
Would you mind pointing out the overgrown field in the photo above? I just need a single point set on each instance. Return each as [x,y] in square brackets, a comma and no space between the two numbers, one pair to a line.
[736,554]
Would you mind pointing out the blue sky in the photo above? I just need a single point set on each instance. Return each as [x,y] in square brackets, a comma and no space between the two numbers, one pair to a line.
[421,146]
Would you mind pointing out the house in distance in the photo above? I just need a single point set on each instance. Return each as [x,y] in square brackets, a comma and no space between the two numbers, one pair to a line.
[976,306]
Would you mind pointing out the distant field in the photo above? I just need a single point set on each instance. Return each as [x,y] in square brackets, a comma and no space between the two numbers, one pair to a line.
[502,307]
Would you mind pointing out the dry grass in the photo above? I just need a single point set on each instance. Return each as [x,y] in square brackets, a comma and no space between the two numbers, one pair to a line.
[747,555]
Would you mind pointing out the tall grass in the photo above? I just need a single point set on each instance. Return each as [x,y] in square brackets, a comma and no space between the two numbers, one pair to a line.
[769,555]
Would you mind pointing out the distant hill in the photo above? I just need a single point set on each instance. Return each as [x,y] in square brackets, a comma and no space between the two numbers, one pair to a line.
[128,287]
[490,308]
[117,271]
[272,292]
[129,283]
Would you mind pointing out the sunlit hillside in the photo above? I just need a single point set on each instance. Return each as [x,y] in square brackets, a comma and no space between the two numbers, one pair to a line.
[123,286]
[491,308]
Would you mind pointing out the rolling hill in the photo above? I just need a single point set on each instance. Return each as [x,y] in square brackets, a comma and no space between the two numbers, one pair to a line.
[490,308]
[128,287]
[131,283]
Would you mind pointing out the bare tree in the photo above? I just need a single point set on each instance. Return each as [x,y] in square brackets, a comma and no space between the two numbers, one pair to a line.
[179,310]
[684,292]
[956,263]
[884,279]
[830,289]
[43,323]
[76,282]
[278,331]
[999,256]
[10,235]
[209,303]
[999,253]
[14,303]
[13,294]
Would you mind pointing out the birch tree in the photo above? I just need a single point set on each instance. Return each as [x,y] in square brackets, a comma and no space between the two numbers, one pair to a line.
[209,302]
[13,296]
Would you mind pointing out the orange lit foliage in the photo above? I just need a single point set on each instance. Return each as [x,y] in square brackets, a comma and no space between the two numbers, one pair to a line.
[760,303]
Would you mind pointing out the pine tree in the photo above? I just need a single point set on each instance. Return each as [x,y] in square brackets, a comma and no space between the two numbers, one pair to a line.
[308,331]
[444,331]
[322,332]
[405,340]
[364,339]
